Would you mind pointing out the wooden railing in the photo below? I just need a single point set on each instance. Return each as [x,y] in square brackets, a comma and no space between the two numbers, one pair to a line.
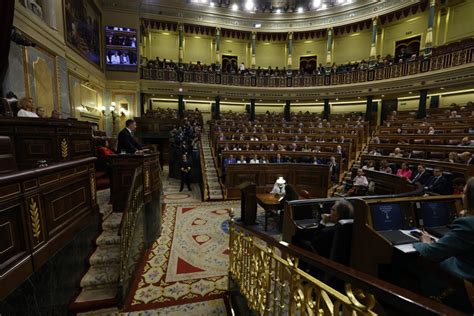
[451,59]
[268,276]
[132,242]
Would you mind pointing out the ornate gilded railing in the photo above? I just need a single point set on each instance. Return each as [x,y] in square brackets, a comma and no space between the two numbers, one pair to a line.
[205,190]
[268,276]
[442,61]
[131,233]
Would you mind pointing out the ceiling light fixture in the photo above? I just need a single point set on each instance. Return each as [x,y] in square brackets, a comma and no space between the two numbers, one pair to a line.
[235,7]
[257,26]
[300,10]
[324,6]
[278,11]
[316,3]
[212,4]
[249,6]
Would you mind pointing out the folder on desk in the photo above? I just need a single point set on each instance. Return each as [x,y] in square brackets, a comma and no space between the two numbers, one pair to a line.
[307,223]
[396,237]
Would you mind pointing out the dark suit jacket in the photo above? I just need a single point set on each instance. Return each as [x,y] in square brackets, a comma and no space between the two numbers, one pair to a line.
[423,179]
[322,241]
[127,142]
[440,186]
[455,250]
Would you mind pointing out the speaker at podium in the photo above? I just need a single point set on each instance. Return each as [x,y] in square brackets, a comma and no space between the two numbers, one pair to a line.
[248,200]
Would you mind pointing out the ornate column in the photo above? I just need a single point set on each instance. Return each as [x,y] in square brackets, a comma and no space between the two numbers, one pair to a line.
[290,50]
[422,104]
[429,31]
[327,109]
[287,110]
[329,48]
[252,110]
[180,43]
[254,48]
[218,46]
[373,46]
[181,106]
[217,110]
[368,110]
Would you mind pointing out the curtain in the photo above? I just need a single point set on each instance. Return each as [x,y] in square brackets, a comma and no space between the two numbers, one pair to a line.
[7,7]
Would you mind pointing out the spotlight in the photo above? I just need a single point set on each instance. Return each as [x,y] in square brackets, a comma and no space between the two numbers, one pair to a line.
[249,6]
[235,7]
[300,10]
[278,11]
[316,3]
[212,4]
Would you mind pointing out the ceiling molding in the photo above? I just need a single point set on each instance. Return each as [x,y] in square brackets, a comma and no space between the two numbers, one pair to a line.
[184,12]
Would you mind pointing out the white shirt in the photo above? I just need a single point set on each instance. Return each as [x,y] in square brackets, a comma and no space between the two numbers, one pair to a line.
[361,181]
[115,59]
[25,113]
[241,161]
[254,161]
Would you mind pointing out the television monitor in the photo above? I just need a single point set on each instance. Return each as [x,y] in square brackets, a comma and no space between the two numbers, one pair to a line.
[387,216]
[436,213]
[121,49]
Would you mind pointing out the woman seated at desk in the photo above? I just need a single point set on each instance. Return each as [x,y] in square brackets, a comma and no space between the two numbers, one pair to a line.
[455,250]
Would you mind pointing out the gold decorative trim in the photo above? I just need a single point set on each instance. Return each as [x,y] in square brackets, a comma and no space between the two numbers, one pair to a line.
[147,178]
[64,148]
[93,187]
[35,219]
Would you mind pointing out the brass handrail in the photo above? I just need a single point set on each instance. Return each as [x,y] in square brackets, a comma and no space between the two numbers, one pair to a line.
[267,274]
[135,205]
[205,191]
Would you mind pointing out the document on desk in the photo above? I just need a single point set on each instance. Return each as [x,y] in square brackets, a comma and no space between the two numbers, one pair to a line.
[406,248]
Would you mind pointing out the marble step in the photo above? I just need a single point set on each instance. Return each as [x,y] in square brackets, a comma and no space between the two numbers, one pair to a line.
[105,255]
[100,277]
[112,222]
[108,237]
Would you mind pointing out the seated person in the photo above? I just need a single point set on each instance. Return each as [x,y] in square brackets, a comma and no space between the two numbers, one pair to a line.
[465,142]
[458,185]
[369,166]
[229,160]
[384,167]
[453,157]
[254,159]
[422,176]
[397,153]
[316,161]
[26,108]
[333,169]
[242,159]
[404,171]
[278,159]
[438,184]
[321,242]
[455,250]
[466,158]
[264,159]
[41,112]
[360,184]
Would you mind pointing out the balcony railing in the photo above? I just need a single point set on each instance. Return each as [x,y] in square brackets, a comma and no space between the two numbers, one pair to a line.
[436,62]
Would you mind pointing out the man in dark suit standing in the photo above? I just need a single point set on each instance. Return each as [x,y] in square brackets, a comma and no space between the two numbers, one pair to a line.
[185,168]
[126,142]
[422,176]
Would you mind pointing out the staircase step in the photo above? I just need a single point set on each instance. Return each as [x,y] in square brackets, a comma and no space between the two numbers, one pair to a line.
[105,255]
[108,237]
[90,295]
[100,277]
[112,222]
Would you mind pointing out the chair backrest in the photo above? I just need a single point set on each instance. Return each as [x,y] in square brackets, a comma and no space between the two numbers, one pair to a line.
[5,108]
[7,156]
[342,242]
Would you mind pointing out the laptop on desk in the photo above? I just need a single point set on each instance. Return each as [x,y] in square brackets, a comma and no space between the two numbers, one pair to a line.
[396,237]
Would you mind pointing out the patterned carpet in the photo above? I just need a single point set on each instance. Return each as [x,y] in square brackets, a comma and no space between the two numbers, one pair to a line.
[188,262]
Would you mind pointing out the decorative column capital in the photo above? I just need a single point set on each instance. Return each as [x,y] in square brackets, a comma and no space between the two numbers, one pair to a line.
[375,20]
[432,3]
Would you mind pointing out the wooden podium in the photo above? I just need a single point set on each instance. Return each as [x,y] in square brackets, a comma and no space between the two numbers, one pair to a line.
[123,168]
[248,200]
